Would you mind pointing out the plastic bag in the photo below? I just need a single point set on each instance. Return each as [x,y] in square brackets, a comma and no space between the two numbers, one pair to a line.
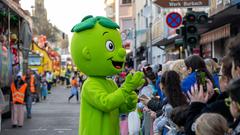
[133,123]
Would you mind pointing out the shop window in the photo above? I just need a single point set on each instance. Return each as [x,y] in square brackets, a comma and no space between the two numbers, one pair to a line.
[126,1]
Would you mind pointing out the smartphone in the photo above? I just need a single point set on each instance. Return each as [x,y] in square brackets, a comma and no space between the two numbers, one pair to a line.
[201,80]
[144,97]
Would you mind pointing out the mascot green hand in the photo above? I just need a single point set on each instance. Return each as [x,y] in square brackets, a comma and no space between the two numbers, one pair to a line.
[96,49]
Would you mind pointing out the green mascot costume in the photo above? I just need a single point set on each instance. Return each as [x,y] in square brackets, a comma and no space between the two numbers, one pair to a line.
[96,49]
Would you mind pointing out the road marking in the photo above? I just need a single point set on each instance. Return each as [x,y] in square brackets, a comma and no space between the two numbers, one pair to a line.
[63,129]
[37,130]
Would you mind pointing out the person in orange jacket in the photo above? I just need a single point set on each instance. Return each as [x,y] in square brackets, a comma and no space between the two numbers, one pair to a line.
[74,88]
[18,88]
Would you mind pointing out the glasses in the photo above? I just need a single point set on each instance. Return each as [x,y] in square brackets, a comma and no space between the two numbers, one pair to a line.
[228,101]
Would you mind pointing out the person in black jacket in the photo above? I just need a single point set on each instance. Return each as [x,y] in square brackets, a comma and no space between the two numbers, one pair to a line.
[170,84]
[234,102]
[230,69]
[197,108]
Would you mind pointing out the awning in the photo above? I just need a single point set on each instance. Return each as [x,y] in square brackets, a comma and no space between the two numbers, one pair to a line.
[16,8]
[166,41]
[216,34]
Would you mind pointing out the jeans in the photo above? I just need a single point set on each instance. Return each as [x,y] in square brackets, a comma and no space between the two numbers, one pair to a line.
[49,86]
[72,95]
[67,81]
[29,106]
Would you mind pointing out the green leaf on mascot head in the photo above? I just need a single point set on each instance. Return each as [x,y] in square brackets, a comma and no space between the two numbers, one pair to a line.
[84,25]
[96,47]
[89,22]
[107,22]
[87,17]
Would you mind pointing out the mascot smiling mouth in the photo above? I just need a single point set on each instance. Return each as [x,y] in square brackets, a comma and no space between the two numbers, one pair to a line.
[117,64]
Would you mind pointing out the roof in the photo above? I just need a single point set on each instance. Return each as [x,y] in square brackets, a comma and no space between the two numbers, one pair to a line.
[16,8]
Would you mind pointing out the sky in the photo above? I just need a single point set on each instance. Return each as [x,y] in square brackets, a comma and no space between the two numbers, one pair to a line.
[66,13]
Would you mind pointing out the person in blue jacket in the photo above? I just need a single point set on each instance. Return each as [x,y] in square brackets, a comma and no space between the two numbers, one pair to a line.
[194,63]
[157,85]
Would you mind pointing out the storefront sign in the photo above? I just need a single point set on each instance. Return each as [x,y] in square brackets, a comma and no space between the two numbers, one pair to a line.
[181,3]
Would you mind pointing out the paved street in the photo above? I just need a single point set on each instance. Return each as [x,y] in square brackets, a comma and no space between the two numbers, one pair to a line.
[55,116]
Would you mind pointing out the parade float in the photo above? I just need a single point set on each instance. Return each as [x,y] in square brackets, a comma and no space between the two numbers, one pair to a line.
[15,40]
[43,58]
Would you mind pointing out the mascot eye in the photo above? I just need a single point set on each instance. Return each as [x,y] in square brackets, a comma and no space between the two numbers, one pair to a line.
[109,45]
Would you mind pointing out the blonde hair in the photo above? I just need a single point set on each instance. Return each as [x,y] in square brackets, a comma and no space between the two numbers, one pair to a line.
[212,66]
[178,67]
[211,124]
[166,66]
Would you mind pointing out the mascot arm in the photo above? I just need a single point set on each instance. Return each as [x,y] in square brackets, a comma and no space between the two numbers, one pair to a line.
[130,103]
[101,99]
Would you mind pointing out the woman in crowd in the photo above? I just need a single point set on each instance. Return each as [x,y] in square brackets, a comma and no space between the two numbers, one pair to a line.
[198,103]
[170,85]
[194,63]
[147,92]
[211,124]
[213,68]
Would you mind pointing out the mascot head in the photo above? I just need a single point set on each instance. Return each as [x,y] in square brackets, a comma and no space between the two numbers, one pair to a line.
[96,47]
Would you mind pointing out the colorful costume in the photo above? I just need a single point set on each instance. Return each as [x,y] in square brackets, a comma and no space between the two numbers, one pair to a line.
[97,51]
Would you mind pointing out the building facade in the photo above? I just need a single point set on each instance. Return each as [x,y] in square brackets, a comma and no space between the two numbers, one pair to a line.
[224,28]
[148,29]
[41,26]
[110,9]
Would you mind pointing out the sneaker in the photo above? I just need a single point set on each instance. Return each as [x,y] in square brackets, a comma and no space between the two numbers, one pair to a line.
[20,126]
[29,117]
[14,126]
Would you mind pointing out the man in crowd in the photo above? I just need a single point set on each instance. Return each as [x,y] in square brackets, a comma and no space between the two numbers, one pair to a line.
[30,91]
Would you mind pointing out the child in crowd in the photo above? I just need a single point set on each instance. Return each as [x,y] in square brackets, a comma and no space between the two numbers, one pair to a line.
[44,90]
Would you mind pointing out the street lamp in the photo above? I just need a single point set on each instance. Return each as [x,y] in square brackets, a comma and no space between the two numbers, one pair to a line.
[150,34]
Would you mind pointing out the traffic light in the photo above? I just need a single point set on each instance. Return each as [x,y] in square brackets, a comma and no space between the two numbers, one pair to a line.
[182,32]
[191,29]
[202,18]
